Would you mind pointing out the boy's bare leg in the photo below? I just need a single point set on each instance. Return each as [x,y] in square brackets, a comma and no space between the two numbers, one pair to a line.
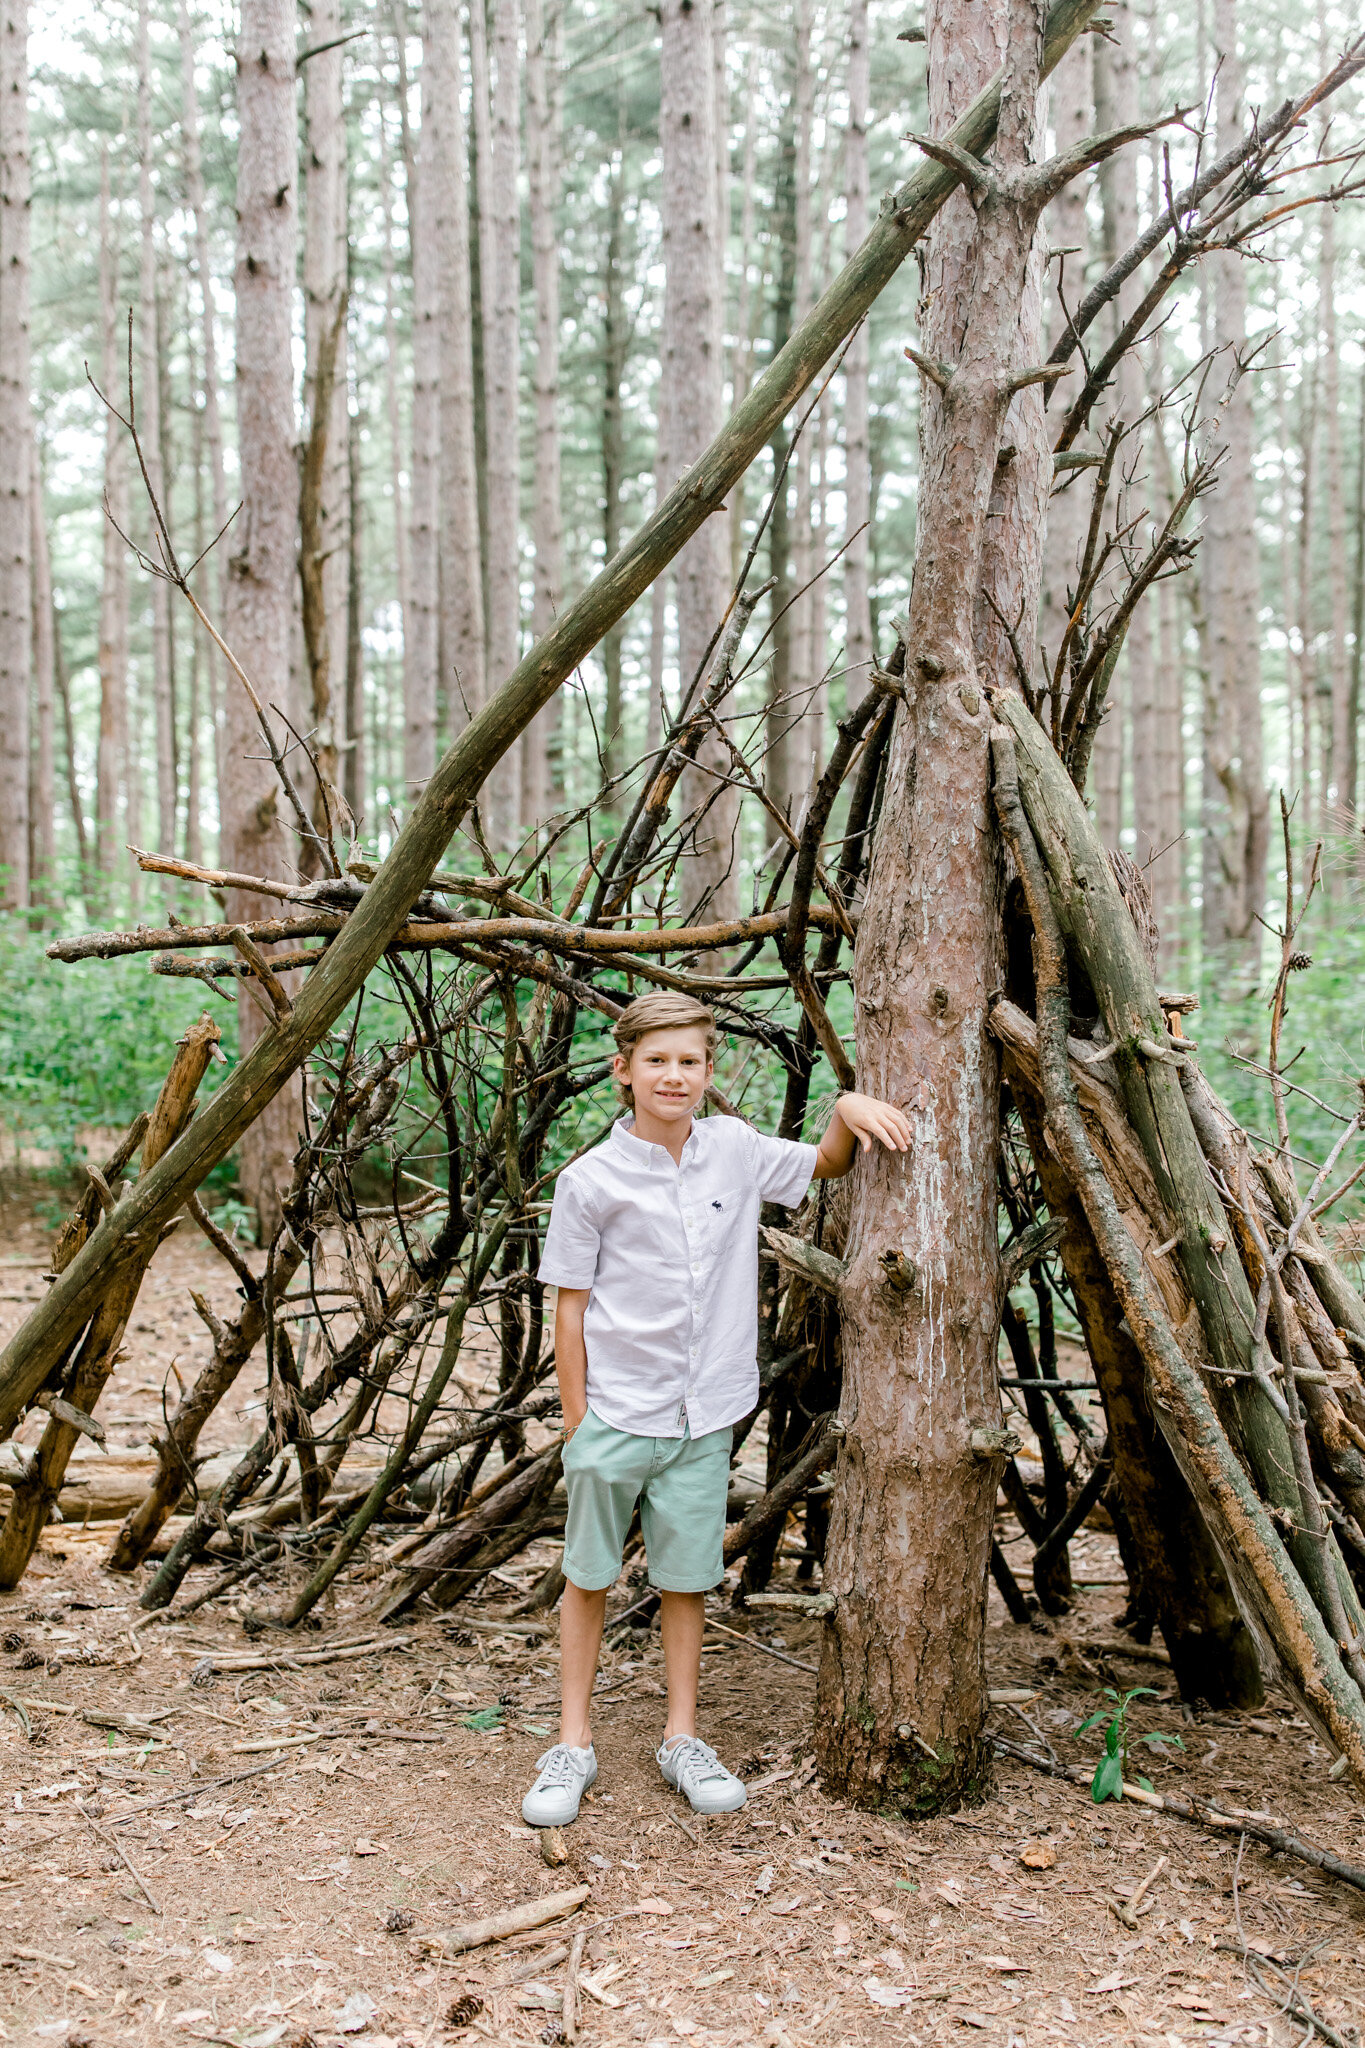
[581,1616]
[682,1619]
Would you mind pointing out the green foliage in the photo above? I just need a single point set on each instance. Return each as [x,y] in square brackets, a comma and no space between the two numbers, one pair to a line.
[485,1721]
[1113,1767]
[86,1045]
[1322,1046]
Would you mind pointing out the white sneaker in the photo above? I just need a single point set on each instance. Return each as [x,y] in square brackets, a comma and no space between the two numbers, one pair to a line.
[692,1766]
[565,1775]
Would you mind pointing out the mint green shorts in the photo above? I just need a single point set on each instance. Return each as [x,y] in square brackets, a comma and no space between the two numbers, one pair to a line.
[680,1482]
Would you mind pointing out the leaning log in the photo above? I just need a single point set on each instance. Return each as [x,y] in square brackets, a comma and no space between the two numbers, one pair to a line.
[36,1492]
[331,985]
[1275,1600]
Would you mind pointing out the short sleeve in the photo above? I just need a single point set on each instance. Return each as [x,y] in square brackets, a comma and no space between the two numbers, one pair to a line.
[783,1168]
[569,1258]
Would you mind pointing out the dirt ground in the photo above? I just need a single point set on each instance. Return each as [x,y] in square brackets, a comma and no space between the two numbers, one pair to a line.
[298,1828]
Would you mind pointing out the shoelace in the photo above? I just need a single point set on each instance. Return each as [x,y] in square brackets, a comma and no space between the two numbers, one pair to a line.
[557,1766]
[693,1758]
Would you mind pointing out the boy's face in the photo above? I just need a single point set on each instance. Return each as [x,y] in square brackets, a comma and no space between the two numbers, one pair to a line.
[667,1072]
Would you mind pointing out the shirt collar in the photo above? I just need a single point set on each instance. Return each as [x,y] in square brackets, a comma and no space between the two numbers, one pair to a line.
[653,1156]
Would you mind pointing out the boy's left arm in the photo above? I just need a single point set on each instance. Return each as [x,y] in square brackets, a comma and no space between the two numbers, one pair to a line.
[856,1121]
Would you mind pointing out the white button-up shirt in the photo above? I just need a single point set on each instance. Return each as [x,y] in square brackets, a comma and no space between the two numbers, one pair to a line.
[671,1256]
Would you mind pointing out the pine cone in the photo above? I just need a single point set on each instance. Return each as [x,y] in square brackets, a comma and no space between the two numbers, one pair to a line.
[204,1672]
[1297,962]
[399,1920]
[32,1660]
[463,2010]
[11,1640]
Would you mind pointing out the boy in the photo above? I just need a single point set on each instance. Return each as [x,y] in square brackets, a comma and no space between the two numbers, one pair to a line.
[653,1245]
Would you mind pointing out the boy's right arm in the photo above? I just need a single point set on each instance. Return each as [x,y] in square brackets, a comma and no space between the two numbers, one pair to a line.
[571,1356]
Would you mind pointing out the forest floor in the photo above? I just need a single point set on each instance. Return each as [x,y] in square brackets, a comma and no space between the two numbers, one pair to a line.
[271,1869]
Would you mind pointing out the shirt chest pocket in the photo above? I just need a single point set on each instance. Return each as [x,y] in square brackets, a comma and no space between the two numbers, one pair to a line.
[719,1215]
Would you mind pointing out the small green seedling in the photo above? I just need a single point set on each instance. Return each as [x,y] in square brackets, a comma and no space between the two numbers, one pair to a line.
[1113,1766]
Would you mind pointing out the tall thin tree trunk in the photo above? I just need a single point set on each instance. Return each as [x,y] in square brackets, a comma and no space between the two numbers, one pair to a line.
[149,425]
[778,736]
[354,767]
[393,418]
[500,255]
[902,1682]
[324,557]
[747,303]
[462,662]
[216,567]
[1351,778]
[111,760]
[857,455]
[62,680]
[658,611]
[43,894]
[693,369]
[547,515]
[615,344]
[1338,778]
[421,637]
[262,572]
[1232,729]
[803,646]
[194,773]
[1305,666]
[16,436]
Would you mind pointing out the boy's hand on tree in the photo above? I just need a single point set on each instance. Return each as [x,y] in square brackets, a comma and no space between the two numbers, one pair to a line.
[867,1118]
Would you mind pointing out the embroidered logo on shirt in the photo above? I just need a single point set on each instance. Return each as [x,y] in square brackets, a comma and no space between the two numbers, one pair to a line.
[718,1205]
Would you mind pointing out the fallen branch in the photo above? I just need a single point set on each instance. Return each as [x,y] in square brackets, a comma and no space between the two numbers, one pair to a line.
[1284,1841]
[467,1934]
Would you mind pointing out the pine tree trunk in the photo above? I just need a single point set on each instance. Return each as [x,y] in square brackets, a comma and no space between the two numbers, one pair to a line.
[692,371]
[857,458]
[615,347]
[43,891]
[1068,230]
[1338,772]
[16,435]
[148,356]
[262,571]
[543,101]
[1232,719]
[111,760]
[393,418]
[500,255]
[421,636]
[216,566]
[325,511]
[902,1680]
[460,580]
[803,542]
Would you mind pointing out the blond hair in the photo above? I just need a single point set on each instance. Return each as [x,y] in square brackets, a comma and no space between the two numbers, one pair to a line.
[664,1011]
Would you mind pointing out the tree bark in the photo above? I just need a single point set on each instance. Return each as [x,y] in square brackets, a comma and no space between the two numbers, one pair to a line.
[113,615]
[1239,820]
[421,634]
[1175,1572]
[902,1677]
[547,515]
[16,434]
[615,348]
[1068,231]
[43,891]
[333,983]
[692,370]
[324,555]
[857,454]
[262,570]
[393,415]
[149,430]
[500,258]
[1339,767]
[212,411]
[462,654]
